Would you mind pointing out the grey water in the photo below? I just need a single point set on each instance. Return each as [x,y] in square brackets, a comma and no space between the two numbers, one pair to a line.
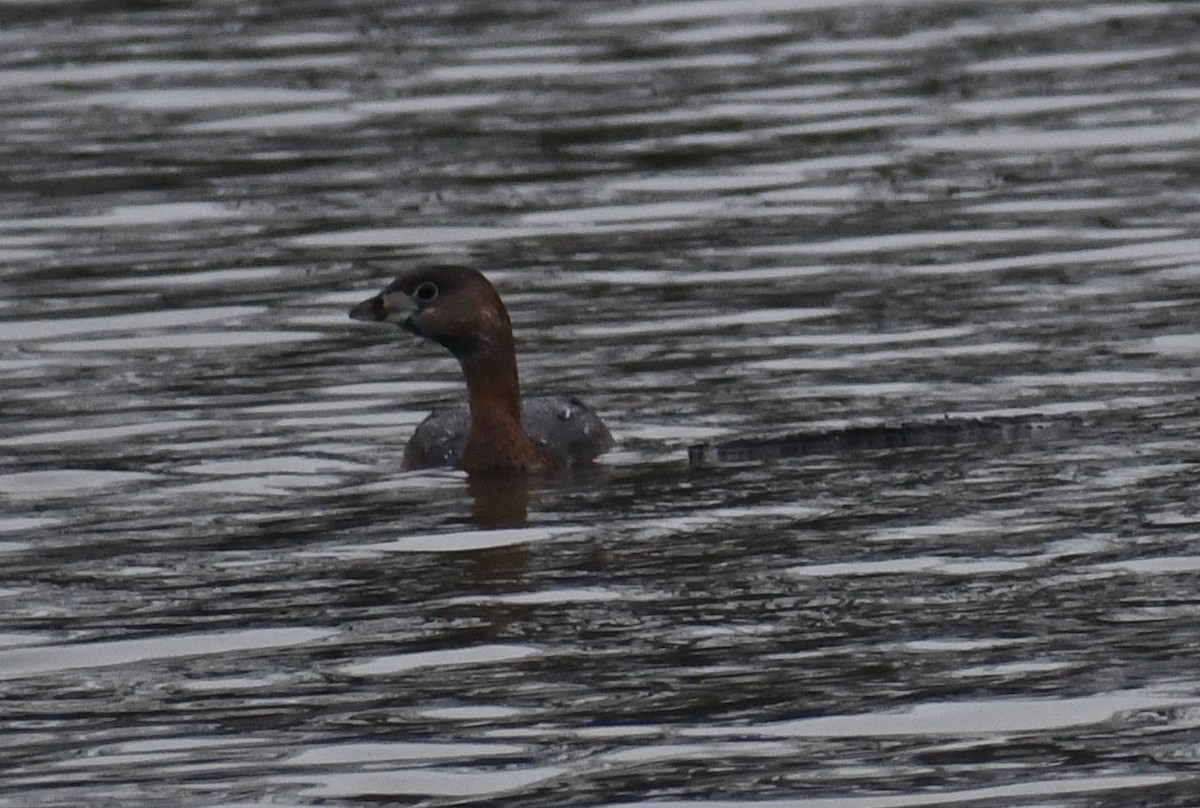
[710,219]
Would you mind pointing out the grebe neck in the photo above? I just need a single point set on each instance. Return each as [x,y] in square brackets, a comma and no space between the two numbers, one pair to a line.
[493,388]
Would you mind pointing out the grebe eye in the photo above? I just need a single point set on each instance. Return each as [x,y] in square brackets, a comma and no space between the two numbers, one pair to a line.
[426,292]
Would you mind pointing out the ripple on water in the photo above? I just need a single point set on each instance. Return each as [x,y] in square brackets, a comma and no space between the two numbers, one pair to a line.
[1149,253]
[424,781]
[191,341]
[1009,108]
[16,524]
[879,357]
[1084,60]
[455,542]
[282,464]
[120,70]
[556,596]
[433,235]
[1017,141]
[688,10]
[277,121]
[67,482]
[706,322]
[444,658]
[1031,788]
[343,753]
[105,433]
[1176,345]
[956,718]
[181,99]
[475,712]
[50,658]
[157,320]
[599,69]
[217,279]
[254,486]
[150,215]
[729,31]
[808,172]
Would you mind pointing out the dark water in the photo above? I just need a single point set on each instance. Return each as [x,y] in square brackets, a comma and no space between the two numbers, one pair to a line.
[710,219]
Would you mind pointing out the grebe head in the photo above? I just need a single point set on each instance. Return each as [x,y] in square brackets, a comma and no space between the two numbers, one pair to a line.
[454,306]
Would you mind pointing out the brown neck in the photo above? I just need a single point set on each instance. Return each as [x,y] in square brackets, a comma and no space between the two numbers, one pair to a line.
[496,440]
[493,390]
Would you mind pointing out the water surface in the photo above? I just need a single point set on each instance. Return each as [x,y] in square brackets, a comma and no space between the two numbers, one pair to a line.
[710,219]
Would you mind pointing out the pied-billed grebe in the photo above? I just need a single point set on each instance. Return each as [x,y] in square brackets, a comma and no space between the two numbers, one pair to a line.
[496,432]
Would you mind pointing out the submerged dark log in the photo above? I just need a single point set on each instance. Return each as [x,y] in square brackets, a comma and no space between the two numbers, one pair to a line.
[942,432]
